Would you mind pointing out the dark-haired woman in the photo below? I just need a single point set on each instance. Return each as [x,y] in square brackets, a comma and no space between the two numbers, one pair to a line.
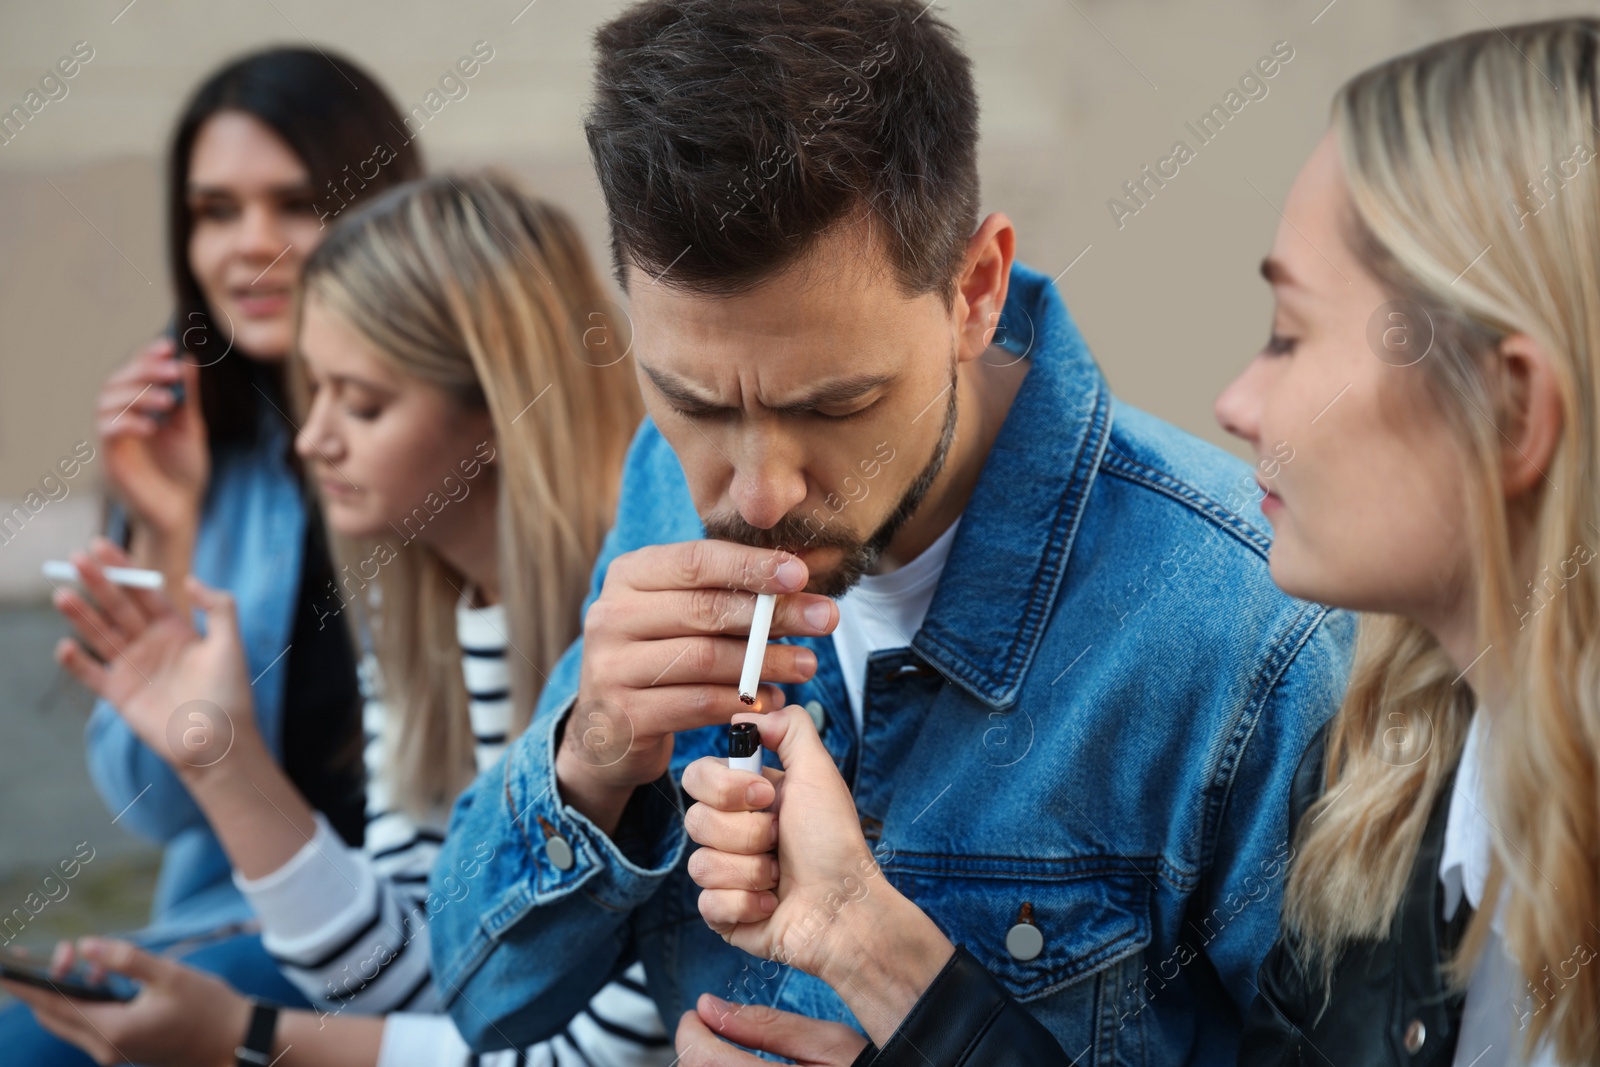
[268,151]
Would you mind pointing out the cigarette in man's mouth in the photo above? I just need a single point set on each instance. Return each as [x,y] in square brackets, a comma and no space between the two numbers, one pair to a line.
[134,577]
[756,650]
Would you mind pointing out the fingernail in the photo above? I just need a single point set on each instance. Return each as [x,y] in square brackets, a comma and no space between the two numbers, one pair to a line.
[791,574]
[768,902]
[818,615]
[774,832]
[752,795]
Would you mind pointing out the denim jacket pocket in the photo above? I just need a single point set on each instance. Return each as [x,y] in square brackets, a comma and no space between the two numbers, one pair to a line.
[1036,925]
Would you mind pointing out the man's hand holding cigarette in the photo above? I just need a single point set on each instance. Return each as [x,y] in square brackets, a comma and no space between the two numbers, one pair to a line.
[663,649]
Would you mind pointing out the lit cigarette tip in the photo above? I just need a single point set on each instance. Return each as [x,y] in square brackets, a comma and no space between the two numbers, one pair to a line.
[756,650]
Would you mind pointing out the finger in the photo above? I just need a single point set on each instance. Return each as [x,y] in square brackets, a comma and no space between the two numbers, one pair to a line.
[711,869]
[678,612]
[711,781]
[676,708]
[61,959]
[745,832]
[92,628]
[134,396]
[82,666]
[125,615]
[723,909]
[154,362]
[126,958]
[129,425]
[686,660]
[61,1016]
[697,1046]
[786,1033]
[221,610]
[790,733]
[711,565]
[152,603]
[51,1009]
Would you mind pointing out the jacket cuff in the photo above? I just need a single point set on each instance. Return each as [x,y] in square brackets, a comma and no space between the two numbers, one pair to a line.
[965,1017]
[566,850]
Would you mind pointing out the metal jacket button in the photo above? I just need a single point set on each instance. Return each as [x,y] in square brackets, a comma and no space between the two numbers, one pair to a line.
[1024,940]
[1416,1034]
[555,846]
[818,716]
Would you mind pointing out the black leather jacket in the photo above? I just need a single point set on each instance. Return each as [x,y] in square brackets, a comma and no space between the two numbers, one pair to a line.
[1390,1003]
[966,1018]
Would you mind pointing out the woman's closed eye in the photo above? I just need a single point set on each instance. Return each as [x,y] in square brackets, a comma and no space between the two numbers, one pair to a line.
[1279,345]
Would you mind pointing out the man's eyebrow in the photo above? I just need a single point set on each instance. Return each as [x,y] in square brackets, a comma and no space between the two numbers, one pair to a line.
[836,391]
[1276,273]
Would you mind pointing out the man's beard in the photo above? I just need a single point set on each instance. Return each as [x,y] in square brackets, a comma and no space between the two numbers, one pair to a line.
[791,533]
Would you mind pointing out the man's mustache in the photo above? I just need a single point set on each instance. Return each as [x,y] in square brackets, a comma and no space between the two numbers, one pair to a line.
[789,534]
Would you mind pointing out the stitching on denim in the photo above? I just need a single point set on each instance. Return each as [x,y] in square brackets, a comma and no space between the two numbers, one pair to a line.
[1052,565]
[1285,651]
[1120,465]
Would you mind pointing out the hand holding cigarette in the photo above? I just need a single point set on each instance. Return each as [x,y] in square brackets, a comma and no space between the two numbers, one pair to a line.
[665,646]
[140,652]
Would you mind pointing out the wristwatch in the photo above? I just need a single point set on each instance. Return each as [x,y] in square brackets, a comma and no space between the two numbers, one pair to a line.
[257,1048]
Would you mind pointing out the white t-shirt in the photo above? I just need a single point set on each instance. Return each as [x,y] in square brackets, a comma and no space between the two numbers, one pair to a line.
[885,611]
[1497,994]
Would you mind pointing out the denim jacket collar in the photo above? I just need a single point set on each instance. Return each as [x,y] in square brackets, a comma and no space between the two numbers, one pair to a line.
[986,620]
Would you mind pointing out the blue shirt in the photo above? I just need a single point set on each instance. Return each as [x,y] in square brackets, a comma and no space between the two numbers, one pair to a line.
[1093,731]
[249,543]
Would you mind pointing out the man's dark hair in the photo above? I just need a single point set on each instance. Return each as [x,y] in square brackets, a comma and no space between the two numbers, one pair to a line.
[728,135]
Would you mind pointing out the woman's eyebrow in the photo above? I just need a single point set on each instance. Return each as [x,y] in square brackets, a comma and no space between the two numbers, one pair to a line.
[195,189]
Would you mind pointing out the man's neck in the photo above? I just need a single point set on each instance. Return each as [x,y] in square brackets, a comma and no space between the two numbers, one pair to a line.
[985,388]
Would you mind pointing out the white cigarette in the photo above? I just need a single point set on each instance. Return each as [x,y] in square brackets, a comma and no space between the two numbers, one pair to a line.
[134,577]
[756,650]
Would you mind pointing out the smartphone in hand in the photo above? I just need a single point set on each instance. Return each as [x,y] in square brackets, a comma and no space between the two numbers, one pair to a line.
[176,388]
[75,983]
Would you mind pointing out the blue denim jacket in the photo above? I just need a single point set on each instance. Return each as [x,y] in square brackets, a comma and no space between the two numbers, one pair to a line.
[1093,732]
[249,543]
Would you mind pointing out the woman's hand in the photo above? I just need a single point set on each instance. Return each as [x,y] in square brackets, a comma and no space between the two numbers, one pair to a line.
[821,904]
[187,697]
[156,455]
[704,1035]
[181,1018]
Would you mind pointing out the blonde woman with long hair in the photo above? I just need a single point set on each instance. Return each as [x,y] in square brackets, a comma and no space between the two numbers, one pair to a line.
[1434,365]
[461,414]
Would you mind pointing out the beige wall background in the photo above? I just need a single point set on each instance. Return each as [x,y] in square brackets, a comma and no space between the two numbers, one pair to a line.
[1077,97]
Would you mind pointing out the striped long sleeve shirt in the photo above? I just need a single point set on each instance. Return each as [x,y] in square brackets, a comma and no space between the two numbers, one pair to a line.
[349,927]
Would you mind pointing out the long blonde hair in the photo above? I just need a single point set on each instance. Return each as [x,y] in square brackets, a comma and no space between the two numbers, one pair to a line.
[1477,151]
[471,284]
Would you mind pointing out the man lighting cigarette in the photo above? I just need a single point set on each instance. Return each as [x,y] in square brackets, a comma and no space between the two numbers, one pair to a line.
[1036,700]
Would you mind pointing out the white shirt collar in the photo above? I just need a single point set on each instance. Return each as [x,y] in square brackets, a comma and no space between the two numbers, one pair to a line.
[1464,861]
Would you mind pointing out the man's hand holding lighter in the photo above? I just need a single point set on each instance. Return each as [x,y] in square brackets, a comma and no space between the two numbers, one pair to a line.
[663,650]
[820,904]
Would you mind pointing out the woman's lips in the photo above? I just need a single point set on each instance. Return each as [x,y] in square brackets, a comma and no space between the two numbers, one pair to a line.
[1269,499]
[255,303]
[338,487]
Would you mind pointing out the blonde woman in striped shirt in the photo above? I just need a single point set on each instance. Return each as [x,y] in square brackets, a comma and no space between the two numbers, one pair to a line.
[466,507]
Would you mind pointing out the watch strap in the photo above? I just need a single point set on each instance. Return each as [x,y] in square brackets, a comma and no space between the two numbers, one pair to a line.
[256,1051]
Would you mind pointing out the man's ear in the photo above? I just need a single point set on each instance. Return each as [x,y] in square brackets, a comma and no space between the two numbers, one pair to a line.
[981,289]
[1531,413]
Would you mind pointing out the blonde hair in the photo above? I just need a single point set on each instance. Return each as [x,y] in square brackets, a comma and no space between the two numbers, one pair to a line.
[471,284]
[1475,151]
